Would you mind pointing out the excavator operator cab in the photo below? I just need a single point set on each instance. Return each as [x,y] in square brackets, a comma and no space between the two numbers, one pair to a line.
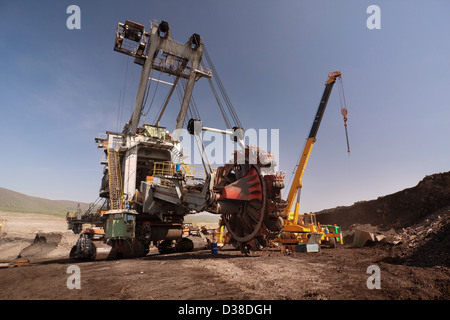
[131,40]
[133,31]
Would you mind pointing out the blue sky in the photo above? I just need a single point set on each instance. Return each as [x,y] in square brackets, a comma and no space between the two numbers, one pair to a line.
[61,88]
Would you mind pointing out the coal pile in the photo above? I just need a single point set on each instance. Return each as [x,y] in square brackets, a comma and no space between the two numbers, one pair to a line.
[399,210]
[426,244]
[415,221]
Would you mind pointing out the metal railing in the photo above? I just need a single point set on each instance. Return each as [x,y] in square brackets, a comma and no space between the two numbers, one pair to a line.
[168,169]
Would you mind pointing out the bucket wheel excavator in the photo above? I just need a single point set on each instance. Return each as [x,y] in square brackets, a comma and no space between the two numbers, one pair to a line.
[148,189]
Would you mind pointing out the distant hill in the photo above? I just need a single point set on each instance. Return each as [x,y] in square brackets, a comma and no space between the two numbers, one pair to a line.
[201,219]
[18,202]
[13,201]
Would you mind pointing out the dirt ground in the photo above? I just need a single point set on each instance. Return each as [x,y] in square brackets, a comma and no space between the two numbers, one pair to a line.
[338,274]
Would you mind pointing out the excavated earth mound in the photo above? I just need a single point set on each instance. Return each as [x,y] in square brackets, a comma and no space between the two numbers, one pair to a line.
[398,210]
[50,245]
[415,222]
[425,244]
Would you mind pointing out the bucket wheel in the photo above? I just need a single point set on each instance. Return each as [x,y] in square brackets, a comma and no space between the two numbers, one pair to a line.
[244,185]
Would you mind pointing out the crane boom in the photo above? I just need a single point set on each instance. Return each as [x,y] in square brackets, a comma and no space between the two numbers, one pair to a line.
[294,191]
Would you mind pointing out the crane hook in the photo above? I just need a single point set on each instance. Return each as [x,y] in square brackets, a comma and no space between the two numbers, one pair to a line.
[344,113]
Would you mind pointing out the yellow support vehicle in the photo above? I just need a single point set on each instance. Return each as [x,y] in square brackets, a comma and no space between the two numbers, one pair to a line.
[298,228]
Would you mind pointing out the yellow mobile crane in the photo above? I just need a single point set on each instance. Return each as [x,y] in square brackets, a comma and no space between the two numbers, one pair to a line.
[298,228]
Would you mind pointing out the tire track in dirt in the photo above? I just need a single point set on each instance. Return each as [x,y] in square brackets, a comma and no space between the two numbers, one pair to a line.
[266,277]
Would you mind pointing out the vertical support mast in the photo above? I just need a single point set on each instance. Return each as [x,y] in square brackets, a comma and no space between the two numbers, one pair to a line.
[163,54]
[143,82]
[195,58]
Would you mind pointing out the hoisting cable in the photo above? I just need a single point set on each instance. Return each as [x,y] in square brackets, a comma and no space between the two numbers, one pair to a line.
[154,93]
[222,90]
[122,96]
[222,110]
[225,96]
[166,101]
[344,110]
[161,110]
[193,114]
